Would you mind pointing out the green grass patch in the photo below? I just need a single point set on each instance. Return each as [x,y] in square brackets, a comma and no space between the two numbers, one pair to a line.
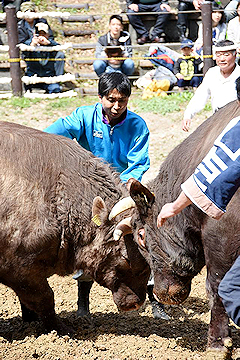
[65,103]
[19,102]
[158,105]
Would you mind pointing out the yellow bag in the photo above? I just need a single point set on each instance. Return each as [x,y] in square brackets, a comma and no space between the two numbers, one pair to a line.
[156,88]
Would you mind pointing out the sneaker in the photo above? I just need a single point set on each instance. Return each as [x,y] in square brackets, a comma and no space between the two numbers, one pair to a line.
[158,311]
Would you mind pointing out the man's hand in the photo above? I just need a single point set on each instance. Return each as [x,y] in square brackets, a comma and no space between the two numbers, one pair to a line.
[165,6]
[186,124]
[166,212]
[114,61]
[197,4]
[179,76]
[43,41]
[171,209]
[133,7]
[35,40]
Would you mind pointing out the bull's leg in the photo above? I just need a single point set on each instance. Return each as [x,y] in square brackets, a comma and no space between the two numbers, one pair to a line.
[219,332]
[84,288]
[38,297]
[28,315]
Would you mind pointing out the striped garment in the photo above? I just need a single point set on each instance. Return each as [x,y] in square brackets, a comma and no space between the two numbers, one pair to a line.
[217,177]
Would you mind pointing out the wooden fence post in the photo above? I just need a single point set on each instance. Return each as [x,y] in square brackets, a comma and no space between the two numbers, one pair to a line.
[14,53]
[206,9]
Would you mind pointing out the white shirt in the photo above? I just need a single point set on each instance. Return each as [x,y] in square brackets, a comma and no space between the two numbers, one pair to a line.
[233,30]
[221,90]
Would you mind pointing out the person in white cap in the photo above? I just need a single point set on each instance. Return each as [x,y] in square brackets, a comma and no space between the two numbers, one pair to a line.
[41,63]
[26,29]
[218,83]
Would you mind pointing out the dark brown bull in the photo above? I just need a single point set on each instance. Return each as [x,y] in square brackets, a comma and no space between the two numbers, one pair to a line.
[178,251]
[49,191]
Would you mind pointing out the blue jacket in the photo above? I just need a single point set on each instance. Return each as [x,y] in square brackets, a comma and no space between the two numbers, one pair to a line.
[124,146]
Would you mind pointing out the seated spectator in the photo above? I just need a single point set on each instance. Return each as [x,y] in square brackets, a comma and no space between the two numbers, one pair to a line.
[229,7]
[45,65]
[26,28]
[187,66]
[219,28]
[233,29]
[121,47]
[138,6]
[182,22]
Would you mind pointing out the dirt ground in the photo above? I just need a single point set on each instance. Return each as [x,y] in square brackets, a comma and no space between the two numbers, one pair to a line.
[109,335]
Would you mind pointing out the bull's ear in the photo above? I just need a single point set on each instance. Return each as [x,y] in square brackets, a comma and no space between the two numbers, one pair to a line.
[141,195]
[98,207]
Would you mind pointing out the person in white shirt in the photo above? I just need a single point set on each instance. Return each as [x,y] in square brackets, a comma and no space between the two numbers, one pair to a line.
[218,83]
[233,29]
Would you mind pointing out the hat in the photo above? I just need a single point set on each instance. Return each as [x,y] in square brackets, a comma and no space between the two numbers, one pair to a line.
[42,27]
[216,6]
[28,6]
[187,43]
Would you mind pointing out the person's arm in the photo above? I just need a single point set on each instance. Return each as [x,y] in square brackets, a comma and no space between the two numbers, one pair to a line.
[137,158]
[171,209]
[215,180]
[100,53]
[197,102]
[230,31]
[71,126]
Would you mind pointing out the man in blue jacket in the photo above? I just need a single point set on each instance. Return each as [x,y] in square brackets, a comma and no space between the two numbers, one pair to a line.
[115,134]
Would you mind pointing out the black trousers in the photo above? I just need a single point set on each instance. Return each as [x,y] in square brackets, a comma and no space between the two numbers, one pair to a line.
[137,23]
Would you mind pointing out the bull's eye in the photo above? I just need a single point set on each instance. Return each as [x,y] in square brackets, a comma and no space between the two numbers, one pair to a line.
[141,238]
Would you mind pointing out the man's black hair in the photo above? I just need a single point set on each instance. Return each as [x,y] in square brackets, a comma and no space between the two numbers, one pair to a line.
[114,80]
[237,81]
[118,17]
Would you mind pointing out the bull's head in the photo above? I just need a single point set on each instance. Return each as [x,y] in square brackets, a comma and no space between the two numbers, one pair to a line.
[174,257]
[124,270]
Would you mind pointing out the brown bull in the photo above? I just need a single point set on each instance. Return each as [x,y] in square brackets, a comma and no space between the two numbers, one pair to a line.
[178,251]
[49,192]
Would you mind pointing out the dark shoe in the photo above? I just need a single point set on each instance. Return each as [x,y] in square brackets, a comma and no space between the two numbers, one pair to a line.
[142,40]
[157,39]
[158,311]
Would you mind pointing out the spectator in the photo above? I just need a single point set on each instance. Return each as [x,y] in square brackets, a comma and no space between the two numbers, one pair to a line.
[229,8]
[233,29]
[122,48]
[44,66]
[218,83]
[182,22]
[187,66]
[115,134]
[138,6]
[26,28]
[219,28]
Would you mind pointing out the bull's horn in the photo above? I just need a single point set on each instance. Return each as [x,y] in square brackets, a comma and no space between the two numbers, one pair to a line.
[120,206]
[122,228]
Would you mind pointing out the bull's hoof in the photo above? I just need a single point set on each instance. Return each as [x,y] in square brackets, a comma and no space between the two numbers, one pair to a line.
[83,312]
